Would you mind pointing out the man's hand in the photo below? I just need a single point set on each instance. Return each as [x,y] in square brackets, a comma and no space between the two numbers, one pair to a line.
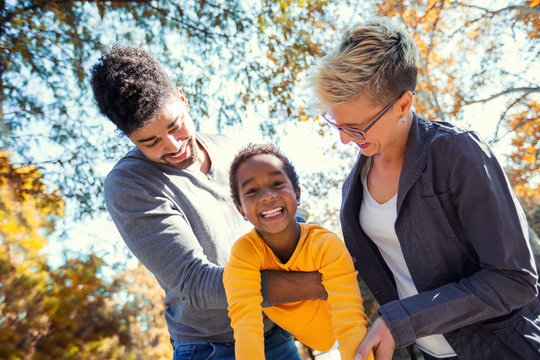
[286,287]
[380,340]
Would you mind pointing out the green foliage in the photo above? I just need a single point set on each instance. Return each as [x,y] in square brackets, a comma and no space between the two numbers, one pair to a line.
[226,55]
[233,58]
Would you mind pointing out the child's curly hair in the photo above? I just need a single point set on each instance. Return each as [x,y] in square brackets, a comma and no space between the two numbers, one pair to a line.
[258,149]
[130,87]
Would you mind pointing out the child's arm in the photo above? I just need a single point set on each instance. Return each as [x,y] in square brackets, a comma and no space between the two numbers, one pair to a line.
[344,299]
[242,281]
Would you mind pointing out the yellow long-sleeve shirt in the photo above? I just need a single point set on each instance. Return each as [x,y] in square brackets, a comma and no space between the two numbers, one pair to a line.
[316,323]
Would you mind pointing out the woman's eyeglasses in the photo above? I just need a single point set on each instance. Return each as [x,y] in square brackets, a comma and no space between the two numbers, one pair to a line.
[357,134]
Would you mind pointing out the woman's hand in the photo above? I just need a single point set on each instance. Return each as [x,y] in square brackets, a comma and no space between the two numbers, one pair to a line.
[380,340]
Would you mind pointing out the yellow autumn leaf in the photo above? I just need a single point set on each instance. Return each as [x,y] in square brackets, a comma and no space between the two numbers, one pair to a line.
[529,158]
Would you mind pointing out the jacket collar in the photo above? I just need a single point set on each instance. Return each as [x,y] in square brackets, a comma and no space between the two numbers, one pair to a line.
[415,157]
[414,160]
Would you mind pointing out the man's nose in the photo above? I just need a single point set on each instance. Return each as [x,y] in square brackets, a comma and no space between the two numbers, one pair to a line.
[172,144]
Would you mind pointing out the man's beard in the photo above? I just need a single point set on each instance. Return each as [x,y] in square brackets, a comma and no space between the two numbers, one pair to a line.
[194,151]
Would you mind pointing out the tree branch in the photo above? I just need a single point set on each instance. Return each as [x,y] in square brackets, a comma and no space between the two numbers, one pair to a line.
[527,90]
[520,8]
[43,4]
[503,115]
[492,13]
[521,123]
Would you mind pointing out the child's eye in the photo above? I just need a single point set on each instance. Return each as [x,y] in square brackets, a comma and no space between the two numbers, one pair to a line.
[278,183]
[250,191]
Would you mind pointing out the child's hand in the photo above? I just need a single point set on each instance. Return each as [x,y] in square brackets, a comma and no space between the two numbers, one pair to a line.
[380,340]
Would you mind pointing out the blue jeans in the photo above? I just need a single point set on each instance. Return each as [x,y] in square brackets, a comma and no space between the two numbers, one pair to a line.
[278,345]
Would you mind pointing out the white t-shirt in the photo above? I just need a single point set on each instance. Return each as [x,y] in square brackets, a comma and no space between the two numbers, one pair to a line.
[377,221]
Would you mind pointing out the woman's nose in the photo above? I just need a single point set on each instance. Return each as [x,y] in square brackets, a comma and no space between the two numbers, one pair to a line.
[344,137]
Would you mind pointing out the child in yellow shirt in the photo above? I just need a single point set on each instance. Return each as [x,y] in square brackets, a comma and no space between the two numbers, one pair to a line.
[266,191]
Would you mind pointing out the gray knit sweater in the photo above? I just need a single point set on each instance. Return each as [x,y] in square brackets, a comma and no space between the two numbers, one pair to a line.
[181,224]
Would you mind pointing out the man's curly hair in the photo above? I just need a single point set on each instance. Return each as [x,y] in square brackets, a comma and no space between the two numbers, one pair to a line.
[250,151]
[130,87]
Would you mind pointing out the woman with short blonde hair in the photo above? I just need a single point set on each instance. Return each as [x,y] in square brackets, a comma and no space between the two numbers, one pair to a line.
[427,212]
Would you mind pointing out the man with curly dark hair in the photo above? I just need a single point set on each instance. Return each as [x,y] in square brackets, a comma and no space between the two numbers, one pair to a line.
[169,198]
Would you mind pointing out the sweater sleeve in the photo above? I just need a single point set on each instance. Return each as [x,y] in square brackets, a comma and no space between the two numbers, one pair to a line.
[160,236]
[344,298]
[242,282]
[495,227]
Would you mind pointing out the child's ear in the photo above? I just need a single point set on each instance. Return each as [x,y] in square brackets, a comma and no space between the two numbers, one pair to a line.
[298,196]
[241,211]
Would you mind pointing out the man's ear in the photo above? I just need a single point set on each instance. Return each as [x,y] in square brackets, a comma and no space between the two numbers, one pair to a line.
[183,98]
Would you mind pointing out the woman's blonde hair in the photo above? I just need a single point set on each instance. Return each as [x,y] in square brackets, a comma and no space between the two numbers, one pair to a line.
[376,55]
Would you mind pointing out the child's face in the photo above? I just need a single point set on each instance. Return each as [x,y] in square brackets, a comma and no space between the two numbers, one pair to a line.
[267,195]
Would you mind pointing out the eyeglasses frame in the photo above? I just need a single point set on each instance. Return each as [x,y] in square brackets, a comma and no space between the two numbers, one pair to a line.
[360,134]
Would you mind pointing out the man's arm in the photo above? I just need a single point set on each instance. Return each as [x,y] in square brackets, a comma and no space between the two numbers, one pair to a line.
[161,237]
[281,287]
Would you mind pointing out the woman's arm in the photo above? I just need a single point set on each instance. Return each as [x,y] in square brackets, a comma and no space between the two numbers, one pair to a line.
[495,227]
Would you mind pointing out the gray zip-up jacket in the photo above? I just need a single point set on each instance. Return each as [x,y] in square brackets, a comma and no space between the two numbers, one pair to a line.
[181,224]
[465,241]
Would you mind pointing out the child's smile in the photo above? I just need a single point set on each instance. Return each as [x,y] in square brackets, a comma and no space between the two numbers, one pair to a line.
[273,213]
[267,196]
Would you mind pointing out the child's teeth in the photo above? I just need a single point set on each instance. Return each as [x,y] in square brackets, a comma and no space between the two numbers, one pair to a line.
[273,212]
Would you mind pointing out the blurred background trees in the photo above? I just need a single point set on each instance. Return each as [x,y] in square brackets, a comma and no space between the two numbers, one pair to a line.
[70,312]
[241,64]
